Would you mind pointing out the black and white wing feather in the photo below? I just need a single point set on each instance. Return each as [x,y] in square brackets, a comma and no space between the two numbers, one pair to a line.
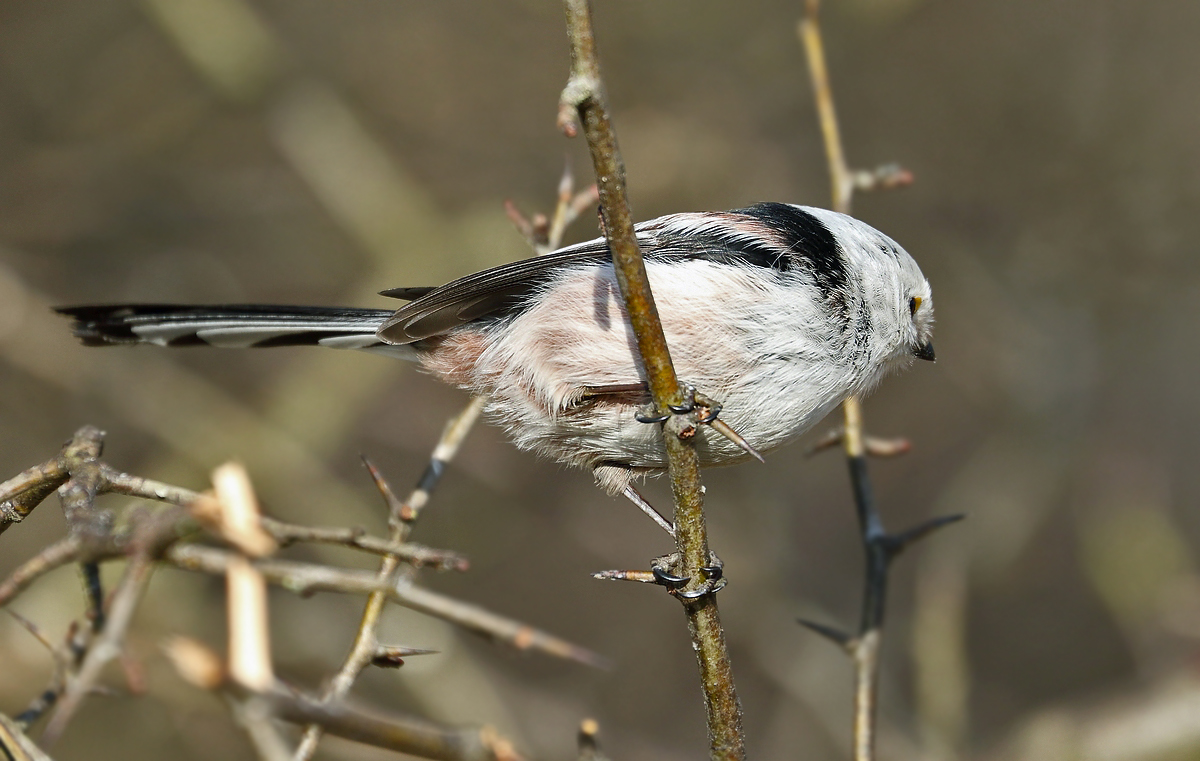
[228,326]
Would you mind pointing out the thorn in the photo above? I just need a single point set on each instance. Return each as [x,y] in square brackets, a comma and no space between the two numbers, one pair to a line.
[836,636]
[389,657]
[645,577]
[32,628]
[396,509]
[721,427]
[896,543]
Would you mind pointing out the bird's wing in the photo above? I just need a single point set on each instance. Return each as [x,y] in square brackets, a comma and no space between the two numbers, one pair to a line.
[742,236]
[491,292]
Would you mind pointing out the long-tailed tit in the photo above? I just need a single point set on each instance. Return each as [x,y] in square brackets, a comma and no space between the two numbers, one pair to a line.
[778,311]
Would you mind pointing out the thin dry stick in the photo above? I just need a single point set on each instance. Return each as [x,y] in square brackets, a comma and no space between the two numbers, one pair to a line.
[407,734]
[366,642]
[60,553]
[416,555]
[125,600]
[288,533]
[583,97]
[880,547]
[308,578]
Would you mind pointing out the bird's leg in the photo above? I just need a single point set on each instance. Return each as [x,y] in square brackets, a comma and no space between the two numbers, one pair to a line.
[634,496]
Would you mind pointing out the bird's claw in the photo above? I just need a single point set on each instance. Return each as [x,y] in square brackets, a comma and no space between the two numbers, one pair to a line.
[712,577]
[706,411]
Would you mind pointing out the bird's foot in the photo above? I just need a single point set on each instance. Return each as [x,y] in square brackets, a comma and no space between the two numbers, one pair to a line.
[704,411]
[667,571]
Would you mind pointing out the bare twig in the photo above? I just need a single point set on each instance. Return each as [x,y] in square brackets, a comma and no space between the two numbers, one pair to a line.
[153,538]
[482,621]
[288,533]
[401,733]
[545,234]
[583,100]
[125,599]
[416,555]
[402,515]
[60,553]
[308,578]
[880,547]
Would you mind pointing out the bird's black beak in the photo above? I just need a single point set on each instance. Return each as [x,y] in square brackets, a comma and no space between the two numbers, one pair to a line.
[925,351]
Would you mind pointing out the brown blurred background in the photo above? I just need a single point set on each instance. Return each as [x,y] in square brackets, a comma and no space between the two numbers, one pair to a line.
[315,152]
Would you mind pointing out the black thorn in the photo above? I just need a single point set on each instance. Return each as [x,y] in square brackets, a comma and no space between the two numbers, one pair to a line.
[836,636]
[897,543]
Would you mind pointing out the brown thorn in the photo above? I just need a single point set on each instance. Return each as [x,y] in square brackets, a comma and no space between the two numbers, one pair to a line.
[396,509]
[723,428]
[391,657]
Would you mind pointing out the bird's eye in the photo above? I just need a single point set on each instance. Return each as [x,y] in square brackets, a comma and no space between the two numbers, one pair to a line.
[914,304]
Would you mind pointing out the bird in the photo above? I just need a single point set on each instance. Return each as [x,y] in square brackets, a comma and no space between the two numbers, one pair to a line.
[777,311]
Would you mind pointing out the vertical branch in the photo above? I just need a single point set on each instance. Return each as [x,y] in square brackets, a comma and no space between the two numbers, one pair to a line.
[879,547]
[839,171]
[583,98]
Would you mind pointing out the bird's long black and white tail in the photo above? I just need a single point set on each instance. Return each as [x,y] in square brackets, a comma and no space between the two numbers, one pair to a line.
[238,326]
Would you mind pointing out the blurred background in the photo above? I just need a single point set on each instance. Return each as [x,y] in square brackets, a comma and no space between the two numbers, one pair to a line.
[316,152]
